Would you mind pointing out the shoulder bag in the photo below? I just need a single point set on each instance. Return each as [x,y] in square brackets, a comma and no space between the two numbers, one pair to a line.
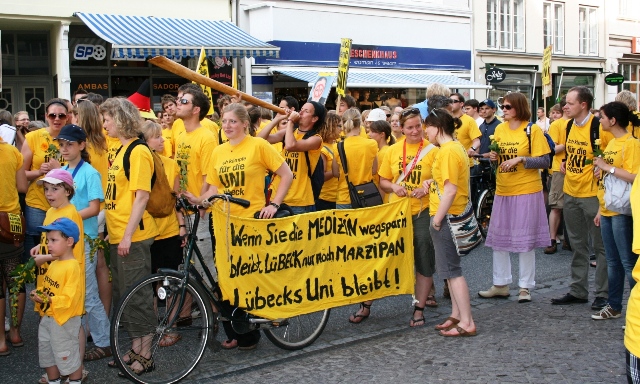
[464,228]
[362,195]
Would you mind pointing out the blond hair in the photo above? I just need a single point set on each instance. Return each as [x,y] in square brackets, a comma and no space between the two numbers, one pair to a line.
[126,116]
[437,89]
[628,98]
[351,120]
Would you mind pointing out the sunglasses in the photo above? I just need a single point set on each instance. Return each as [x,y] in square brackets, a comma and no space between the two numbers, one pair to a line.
[389,115]
[455,101]
[183,101]
[508,107]
[60,116]
[411,111]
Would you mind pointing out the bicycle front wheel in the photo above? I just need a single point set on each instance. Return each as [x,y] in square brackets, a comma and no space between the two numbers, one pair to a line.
[300,331]
[483,211]
[175,349]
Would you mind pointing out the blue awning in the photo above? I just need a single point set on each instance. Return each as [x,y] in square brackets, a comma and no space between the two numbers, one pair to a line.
[360,78]
[138,37]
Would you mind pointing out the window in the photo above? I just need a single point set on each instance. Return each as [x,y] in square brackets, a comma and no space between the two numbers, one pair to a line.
[631,79]
[553,25]
[588,26]
[505,25]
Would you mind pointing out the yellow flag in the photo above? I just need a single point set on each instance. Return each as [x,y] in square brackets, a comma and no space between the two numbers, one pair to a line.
[203,69]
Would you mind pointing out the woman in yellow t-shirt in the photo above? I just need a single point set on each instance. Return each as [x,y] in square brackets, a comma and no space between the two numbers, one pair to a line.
[14,180]
[41,154]
[448,195]
[621,160]
[518,218]
[380,131]
[632,331]
[252,158]
[396,129]
[405,166]
[131,228]
[360,153]
[329,192]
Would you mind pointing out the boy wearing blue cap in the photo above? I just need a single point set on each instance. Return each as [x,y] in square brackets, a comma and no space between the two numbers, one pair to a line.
[60,301]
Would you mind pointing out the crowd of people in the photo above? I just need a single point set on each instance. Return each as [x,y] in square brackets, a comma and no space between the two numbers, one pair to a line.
[86,180]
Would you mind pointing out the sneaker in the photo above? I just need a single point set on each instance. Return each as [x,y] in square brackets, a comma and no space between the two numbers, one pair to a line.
[524,296]
[599,303]
[606,313]
[498,292]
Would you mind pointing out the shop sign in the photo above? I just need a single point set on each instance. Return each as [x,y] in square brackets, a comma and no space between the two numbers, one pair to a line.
[495,75]
[373,56]
[94,84]
[614,79]
[86,51]
[167,84]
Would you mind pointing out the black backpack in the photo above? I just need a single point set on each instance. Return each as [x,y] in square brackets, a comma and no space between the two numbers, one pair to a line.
[594,132]
[552,144]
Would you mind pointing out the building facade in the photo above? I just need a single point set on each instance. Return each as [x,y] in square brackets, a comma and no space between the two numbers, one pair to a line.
[623,47]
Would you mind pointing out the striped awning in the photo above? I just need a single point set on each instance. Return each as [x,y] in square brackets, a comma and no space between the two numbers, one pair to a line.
[138,37]
[361,78]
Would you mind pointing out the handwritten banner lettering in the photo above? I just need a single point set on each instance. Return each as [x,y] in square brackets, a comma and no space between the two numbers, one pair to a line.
[302,264]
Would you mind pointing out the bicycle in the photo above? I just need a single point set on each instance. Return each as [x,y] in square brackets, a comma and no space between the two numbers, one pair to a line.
[483,187]
[168,289]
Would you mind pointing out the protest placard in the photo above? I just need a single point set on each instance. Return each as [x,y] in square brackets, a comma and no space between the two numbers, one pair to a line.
[203,69]
[343,65]
[301,264]
[321,87]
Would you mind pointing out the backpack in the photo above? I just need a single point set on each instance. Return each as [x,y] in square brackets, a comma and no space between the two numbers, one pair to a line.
[594,131]
[552,144]
[162,199]
[317,177]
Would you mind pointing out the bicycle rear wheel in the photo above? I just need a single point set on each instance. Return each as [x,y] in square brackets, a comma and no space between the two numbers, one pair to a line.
[173,362]
[300,331]
[483,211]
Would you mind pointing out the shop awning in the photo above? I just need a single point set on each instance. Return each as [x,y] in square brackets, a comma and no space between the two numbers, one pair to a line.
[138,37]
[372,78]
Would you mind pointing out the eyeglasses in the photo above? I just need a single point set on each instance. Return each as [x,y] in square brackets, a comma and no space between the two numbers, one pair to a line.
[407,112]
[389,115]
[183,101]
[455,101]
[60,116]
[508,107]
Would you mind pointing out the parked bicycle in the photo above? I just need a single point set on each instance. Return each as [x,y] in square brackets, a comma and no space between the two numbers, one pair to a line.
[172,290]
[483,187]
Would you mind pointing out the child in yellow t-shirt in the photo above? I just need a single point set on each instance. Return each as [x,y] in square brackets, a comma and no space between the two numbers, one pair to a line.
[60,301]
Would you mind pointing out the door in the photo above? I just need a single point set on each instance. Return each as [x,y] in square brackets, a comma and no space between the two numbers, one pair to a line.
[24,94]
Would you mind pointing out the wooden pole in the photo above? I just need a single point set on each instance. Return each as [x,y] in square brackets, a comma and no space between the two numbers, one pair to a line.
[182,71]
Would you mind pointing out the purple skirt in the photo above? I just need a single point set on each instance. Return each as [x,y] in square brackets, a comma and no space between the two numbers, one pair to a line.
[518,223]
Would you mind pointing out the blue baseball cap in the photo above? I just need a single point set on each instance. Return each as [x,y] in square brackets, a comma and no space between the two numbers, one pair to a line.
[73,133]
[64,225]
[488,103]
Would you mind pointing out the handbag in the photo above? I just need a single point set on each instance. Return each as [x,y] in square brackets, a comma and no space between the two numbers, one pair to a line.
[12,228]
[464,229]
[361,195]
[617,195]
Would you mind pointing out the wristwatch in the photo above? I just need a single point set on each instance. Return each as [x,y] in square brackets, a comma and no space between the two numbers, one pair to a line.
[612,170]
[474,148]
[275,205]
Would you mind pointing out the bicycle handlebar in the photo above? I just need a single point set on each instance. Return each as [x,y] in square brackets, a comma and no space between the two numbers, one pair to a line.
[184,203]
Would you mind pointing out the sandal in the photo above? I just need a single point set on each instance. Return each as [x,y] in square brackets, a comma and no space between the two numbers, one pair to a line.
[431,302]
[97,353]
[415,320]
[130,354]
[442,325]
[461,332]
[229,344]
[169,339]
[147,365]
[362,318]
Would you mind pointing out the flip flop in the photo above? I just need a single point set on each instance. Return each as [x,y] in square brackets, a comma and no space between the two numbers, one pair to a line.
[229,344]
[441,326]
[431,302]
[18,344]
[7,352]
[461,333]
[169,339]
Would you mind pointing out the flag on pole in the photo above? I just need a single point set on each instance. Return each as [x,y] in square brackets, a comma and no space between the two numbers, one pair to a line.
[203,69]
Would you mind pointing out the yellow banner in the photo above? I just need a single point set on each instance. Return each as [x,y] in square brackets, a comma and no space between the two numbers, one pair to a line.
[306,263]
[546,72]
[203,69]
[343,65]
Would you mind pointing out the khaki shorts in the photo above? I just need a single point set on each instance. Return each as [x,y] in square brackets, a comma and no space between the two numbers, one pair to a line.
[58,344]
[556,194]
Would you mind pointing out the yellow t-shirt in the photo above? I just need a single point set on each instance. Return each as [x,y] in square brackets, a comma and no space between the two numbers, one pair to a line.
[300,193]
[168,226]
[329,190]
[70,212]
[178,128]
[100,161]
[579,181]
[10,162]
[468,132]
[392,165]
[360,153]
[121,192]
[514,143]
[44,148]
[113,145]
[167,135]
[450,164]
[239,170]
[635,209]
[193,153]
[65,285]
[558,133]
[632,331]
[624,153]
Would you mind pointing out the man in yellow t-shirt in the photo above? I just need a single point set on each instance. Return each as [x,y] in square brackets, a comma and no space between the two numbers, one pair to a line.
[581,203]
[193,153]
[558,133]
[468,134]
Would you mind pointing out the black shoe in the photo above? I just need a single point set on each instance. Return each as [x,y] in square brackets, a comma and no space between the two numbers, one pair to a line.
[569,299]
[599,303]
[592,257]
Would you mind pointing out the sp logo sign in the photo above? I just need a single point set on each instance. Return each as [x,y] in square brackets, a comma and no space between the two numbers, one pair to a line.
[85,51]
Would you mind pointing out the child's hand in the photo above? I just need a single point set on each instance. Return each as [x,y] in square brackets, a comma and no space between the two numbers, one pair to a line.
[33,295]
[41,259]
[35,250]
